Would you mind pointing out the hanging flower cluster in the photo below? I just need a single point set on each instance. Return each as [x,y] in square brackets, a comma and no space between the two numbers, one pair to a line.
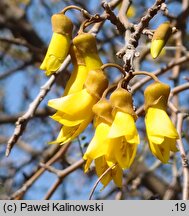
[115,141]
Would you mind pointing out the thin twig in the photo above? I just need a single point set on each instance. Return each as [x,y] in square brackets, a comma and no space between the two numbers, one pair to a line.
[130,52]
[20,192]
[10,119]
[18,41]
[179,89]
[113,18]
[185,164]
[98,180]
[14,70]
[23,120]
[61,175]
[160,71]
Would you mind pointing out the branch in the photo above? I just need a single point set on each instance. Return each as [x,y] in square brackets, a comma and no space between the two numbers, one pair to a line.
[122,13]
[130,52]
[113,19]
[179,89]
[41,113]
[23,145]
[185,164]
[61,175]
[98,180]
[173,63]
[13,70]
[20,192]
[18,41]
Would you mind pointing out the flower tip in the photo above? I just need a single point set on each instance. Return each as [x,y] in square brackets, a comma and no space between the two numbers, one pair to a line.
[53,142]
[42,66]
[156,48]
[48,73]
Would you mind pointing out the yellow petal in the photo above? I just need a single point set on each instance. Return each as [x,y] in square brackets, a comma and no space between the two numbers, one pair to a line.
[77,80]
[158,124]
[117,175]
[113,150]
[121,151]
[160,151]
[67,134]
[124,125]
[173,146]
[98,145]
[131,151]
[87,164]
[101,166]
[66,119]
[56,53]
[79,103]
[155,138]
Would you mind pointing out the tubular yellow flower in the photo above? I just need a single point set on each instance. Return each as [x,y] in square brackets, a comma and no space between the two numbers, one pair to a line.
[75,110]
[59,45]
[123,129]
[99,144]
[86,44]
[161,132]
[79,73]
[160,38]
[115,140]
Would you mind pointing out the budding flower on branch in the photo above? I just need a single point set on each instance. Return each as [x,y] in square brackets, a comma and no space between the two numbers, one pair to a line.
[161,132]
[59,45]
[160,38]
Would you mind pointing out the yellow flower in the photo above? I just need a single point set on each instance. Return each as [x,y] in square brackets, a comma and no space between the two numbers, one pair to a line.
[160,38]
[79,73]
[83,62]
[116,137]
[59,45]
[85,58]
[100,143]
[123,132]
[98,147]
[75,110]
[161,132]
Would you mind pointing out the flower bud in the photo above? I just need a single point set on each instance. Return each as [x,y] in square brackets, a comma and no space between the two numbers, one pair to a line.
[103,109]
[61,24]
[59,45]
[86,44]
[76,56]
[96,83]
[156,95]
[160,37]
[122,100]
